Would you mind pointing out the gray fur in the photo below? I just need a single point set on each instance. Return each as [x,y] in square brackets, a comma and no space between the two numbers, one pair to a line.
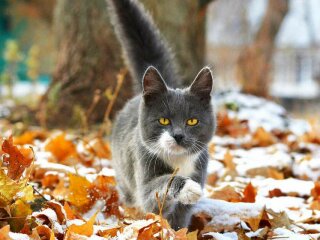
[143,166]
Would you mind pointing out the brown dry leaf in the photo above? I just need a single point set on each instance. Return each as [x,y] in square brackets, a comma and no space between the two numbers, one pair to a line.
[61,148]
[263,138]
[4,233]
[279,220]
[268,172]
[59,209]
[99,148]
[249,194]
[228,194]
[44,232]
[78,191]
[147,232]
[315,192]
[228,161]
[84,229]
[276,193]
[16,161]
[255,221]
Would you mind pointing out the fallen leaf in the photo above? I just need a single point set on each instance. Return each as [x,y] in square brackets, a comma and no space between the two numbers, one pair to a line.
[69,212]
[279,219]
[249,194]
[4,233]
[9,188]
[60,147]
[227,193]
[228,161]
[29,136]
[276,193]
[99,148]
[263,138]
[84,229]
[16,161]
[78,190]
[19,210]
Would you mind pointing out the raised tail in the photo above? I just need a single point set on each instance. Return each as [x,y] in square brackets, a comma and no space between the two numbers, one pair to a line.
[141,41]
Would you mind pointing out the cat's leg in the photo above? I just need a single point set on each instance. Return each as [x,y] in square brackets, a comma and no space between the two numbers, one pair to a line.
[182,190]
[180,216]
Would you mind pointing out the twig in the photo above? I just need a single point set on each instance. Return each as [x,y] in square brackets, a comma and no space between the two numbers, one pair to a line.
[106,122]
[95,101]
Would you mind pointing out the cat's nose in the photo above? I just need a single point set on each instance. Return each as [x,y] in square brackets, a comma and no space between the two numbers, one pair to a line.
[178,138]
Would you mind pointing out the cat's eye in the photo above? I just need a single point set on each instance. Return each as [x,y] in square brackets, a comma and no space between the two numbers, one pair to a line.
[164,121]
[192,121]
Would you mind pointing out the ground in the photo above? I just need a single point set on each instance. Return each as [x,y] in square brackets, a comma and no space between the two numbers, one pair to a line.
[262,182]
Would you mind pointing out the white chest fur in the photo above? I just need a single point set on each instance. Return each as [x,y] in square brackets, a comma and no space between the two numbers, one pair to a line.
[186,164]
[176,156]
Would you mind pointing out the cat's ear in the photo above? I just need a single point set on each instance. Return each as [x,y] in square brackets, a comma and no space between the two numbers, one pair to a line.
[202,84]
[153,84]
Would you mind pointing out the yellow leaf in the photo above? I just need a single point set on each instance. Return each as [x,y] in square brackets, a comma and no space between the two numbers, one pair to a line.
[19,210]
[84,229]
[192,235]
[78,190]
[27,194]
[9,188]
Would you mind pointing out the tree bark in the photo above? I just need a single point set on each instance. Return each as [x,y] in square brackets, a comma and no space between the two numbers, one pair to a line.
[89,56]
[183,24]
[254,63]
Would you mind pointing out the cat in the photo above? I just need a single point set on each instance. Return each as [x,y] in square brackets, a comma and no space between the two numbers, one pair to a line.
[163,127]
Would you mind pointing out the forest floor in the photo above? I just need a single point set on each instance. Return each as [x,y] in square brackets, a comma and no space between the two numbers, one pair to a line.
[262,182]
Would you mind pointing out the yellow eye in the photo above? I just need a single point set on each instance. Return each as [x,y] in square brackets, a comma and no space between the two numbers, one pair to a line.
[164,121]
[192,121]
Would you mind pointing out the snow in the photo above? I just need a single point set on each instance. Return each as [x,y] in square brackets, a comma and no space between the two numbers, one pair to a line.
[260,113]
[227,214]
[222,236]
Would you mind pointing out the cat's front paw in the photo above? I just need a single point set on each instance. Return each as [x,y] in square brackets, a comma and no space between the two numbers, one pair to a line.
[190,193]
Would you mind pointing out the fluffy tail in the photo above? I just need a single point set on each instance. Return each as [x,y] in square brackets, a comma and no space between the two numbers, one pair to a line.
[141,41]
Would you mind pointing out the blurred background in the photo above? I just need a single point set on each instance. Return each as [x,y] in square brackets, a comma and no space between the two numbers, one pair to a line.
[61,65]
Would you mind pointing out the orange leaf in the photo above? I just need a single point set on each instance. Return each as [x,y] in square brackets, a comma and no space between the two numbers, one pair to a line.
[228,161]
[249,194]
[69,212]
[28,137]
[4,233]
[78,190]
[16,161]
[315,192]
[60,147]
[182,234]
[84,229]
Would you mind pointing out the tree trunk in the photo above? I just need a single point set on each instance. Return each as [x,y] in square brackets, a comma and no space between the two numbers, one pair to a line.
[88,61]
[254,63]
[182,22]
[89,56]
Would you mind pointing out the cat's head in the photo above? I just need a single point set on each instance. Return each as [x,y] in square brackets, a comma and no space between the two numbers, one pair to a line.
[176,121]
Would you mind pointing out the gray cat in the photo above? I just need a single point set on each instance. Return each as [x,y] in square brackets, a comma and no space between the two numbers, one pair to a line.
[164,127]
